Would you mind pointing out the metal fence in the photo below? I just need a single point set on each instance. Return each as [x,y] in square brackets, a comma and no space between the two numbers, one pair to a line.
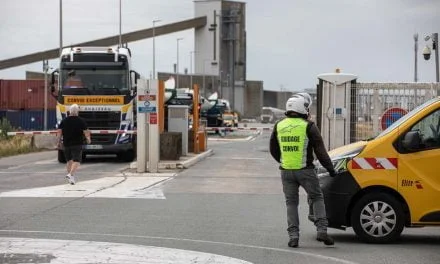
[375,106]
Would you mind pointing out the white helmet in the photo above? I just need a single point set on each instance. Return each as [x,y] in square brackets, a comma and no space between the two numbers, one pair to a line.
[297,104]
[307,97]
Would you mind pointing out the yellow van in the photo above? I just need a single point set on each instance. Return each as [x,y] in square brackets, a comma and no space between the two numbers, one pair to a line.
[389,182]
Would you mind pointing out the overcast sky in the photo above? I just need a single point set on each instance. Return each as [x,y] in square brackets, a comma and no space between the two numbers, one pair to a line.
[289,43]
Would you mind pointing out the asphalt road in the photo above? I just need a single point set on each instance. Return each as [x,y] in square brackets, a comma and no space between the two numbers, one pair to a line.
[228,205]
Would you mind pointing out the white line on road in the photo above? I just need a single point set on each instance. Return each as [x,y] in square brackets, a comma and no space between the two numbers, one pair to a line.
[107,187]
[236,158]
[290,251]
[26,250]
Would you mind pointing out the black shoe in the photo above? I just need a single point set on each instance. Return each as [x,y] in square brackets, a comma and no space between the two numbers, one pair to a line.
[323,237]
[293,242]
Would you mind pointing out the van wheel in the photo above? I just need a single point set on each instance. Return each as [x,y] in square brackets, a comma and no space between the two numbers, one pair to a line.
[61,157]
[378,218]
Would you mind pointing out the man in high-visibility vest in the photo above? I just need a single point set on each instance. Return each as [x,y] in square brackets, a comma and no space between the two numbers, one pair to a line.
[293,141]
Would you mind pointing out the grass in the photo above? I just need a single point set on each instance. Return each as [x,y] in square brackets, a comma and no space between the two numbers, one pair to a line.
[14,145]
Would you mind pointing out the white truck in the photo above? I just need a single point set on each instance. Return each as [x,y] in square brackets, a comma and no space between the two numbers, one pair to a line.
[100,80]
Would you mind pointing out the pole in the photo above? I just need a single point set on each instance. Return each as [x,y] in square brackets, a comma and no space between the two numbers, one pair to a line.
[334,116]
[45,68]
[191,70]
[120,23]
[435,42]
[177,65]
[61,26]
[204,92]
[416,38]
[191,62]
[154,47]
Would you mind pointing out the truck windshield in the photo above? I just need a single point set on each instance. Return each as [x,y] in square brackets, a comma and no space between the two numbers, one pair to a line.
[406,117]
[96,80]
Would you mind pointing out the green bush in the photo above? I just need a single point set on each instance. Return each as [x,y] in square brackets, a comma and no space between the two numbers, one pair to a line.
[5,127]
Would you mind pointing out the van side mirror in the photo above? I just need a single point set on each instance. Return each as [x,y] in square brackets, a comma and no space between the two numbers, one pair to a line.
[412,140]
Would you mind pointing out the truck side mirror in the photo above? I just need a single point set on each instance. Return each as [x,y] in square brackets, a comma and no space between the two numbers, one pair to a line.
[52,82]
[412,140]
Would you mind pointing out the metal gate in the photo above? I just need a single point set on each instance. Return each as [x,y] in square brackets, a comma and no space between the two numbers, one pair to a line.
[375,106]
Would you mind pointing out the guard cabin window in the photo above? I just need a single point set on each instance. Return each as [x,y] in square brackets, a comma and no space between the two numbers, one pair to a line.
[94,74]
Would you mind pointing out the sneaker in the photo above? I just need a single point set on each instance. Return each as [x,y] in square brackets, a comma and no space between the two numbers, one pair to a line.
[324,237]
[293,242]
[70,179]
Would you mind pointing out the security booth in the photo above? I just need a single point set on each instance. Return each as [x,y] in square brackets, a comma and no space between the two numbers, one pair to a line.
[333,108]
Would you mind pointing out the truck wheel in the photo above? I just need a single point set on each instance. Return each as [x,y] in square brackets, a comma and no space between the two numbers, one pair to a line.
[61,158]
[378,218]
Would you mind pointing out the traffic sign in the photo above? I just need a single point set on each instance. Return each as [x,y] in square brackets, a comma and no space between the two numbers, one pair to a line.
[391,115]
[147,109]
[153,118]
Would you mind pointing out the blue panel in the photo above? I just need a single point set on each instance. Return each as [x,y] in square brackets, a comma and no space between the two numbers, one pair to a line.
[31,119]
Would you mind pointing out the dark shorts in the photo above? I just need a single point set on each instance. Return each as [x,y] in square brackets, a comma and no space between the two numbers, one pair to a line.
[73,153]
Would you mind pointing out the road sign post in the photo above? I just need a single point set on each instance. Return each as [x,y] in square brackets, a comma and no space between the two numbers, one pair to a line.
[148,129]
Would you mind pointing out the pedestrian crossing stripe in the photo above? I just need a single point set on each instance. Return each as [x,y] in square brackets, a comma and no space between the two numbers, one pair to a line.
[106,187]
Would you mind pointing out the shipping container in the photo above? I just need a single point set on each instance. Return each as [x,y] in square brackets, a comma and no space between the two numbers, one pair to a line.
[30,119]
[24,95]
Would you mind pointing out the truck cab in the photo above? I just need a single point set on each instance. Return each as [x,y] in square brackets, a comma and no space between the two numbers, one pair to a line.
[389,182]
[101,82]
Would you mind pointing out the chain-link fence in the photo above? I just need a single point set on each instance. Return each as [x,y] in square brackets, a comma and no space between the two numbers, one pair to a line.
[375,106]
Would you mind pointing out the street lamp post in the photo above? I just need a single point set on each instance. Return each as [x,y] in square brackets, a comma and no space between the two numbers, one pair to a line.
[154,47]
[416,47]
[120,23]
[177,65]
[204,76]
[61,27]
[45,69]
[191,70]
[427,53]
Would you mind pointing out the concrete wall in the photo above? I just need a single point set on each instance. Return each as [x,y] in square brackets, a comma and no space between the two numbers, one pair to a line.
[253,99]
[270,98]
[205,61]
[220,47]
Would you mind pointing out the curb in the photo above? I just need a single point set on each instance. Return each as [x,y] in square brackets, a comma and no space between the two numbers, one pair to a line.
[188,163]
[236,139]
[179,164]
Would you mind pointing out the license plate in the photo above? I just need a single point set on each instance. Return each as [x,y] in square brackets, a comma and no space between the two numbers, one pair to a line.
[93,147]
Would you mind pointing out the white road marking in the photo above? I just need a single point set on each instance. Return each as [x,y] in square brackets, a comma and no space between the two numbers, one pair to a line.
[44,162]
[59,172]
[74,251]
[237,158]
[290,251]
[107,187]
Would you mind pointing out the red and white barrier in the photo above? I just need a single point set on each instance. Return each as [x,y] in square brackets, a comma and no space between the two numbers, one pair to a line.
[134,131]
[54,132]
[32,133]
[238,129]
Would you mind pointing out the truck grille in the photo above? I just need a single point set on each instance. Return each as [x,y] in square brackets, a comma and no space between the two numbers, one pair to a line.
[102,121]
